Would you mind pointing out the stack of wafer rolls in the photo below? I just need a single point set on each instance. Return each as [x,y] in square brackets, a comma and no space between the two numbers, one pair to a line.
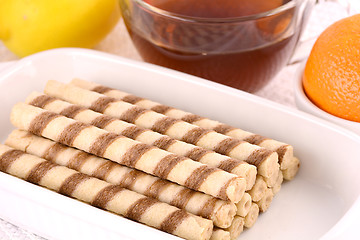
[220,212]
[265,160]
[120,149]
[288,163]
[213,159]
[207,169]
[104,195]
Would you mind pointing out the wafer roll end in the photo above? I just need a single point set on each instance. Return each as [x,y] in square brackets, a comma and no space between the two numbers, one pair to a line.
[248,172]
[236,228]
[265,201]
[197,228]
[252,216]
[286,155]
[224,215]
[269,166]
[243,206]
[220,234]
[236,189]
[292,170]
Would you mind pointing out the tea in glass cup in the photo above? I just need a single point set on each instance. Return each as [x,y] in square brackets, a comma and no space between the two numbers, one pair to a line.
[239,43]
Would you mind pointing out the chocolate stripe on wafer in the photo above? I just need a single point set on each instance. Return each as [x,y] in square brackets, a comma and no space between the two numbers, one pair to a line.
[7,158]
[182,198]
[69,134]
[165,142]
[255,139]
[190,118]
[138,208]
[167,164]
[39,171]
[153,138]
[101,104]
[71,183]
[110,197]
[156,188]
[42,101]
[102,143]
[226,145]
[134,154]
[208,208]
[230,164]
[103,170]
[197,153]
[38,125]
[223,128]
[199,176]
[161,109]
[77,161]
[133,132]
[53,151]
[132,99]
[194,135]
[102,121]
[173,221]
[258,156]
[72,111]
[132,114]
[163,124]
[106,195]
[101,89]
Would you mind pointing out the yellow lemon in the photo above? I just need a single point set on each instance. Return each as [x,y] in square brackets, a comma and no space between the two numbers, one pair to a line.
[29,26]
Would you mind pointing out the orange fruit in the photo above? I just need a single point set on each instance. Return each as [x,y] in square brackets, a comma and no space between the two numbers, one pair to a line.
[332,73]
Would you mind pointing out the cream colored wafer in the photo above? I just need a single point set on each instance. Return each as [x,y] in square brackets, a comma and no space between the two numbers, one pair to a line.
[258,190]
[220,234]
[265,160]
[271,181]
[285,151]
[290,172]
[104,195]
[236,228]
[252,216]
[243,206]
[278,183]
[265,201]
[211,158]
[219,211]
[126,151]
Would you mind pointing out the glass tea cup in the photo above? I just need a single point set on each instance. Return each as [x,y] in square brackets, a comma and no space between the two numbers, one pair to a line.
[239,43]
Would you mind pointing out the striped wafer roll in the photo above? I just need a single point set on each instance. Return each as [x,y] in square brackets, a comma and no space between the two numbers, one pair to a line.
[211,158]
[236,228]
[258,190]
[128,152]
[265,160]
[285,151]
[104,195]
[252,216]
[243,206]
[290,172]
[219,211]
[220,234]
[265,201]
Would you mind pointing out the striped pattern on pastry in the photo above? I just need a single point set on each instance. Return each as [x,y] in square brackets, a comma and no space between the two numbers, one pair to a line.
[126,151]
[219,211]
[285,151]
[213,159]
[104,195]
[265,160]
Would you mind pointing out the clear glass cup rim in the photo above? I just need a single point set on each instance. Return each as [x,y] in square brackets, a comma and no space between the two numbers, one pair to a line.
[164,13]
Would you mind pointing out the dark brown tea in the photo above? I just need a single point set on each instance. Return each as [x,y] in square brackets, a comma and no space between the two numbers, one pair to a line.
[211,42]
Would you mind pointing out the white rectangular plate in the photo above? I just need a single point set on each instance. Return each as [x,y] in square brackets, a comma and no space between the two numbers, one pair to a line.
[322,202]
